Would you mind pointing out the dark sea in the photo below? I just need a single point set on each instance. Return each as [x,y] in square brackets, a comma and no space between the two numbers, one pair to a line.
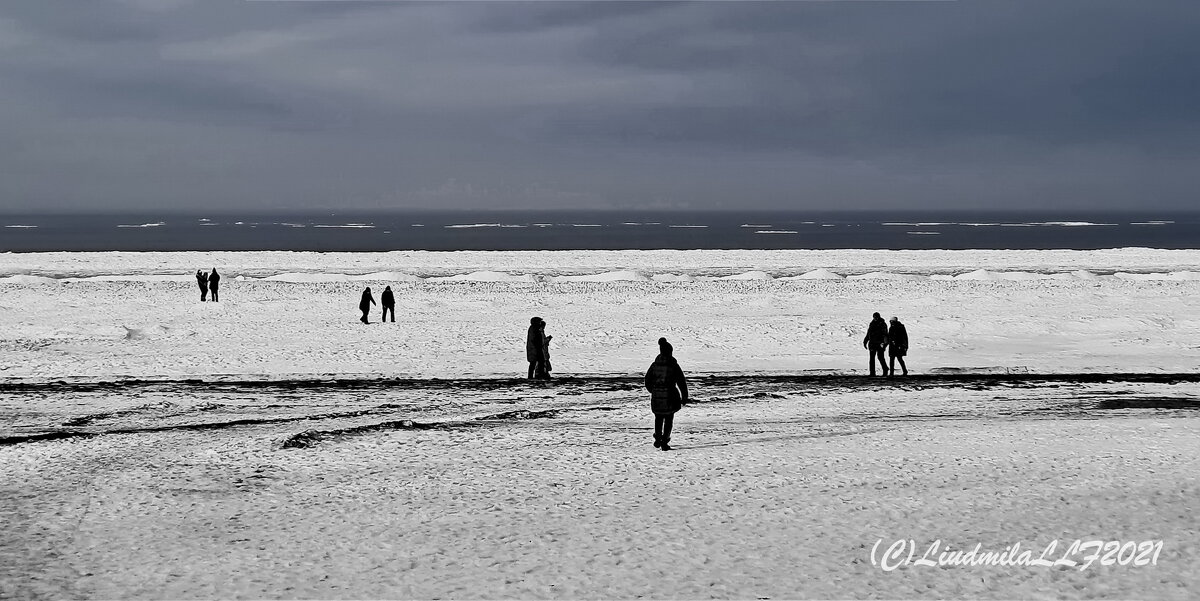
[600,230]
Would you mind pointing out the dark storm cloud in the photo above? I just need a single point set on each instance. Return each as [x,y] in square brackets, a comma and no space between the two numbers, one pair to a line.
[114,104]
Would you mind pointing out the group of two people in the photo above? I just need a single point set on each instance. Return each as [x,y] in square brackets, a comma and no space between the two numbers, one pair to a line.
[208,283]
[537,349]
[386,300]
[880,337]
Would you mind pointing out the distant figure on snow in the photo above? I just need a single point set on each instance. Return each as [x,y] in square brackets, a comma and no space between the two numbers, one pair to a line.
[388,302]
[364,305]
[202,282]
[537,349]
[214,283]
[668,392]
[897,345]
[534,348]
[875,341]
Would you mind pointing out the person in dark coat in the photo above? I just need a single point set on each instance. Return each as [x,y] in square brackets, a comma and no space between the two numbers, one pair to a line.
[214,283]
[876,341]
[388,302]
[897,345]
[545,350]
[364,305]
[668,392]
[537,349]
[202,282]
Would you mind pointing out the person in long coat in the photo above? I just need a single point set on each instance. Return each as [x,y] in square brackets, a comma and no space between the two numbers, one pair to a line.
[668,392]
[876,341]
[388,301]
[202,282]
[214,283]
[364,305]
[897,345]
[537,350]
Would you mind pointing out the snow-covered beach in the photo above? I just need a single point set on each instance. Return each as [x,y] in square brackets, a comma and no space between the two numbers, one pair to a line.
[457,481]
[120,315]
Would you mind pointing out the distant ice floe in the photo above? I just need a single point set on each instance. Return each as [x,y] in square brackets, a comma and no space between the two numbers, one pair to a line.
[1153,222]
[346,225]
[883,275]
[688,226]
[816,274]
[923,233]
[749,275]
[317,277]
[481,225]
[1174,276]
[155,224]
[757,225]
[985,275]
[28,280]
[388,276]
[672,277]
[776,232]
[19,226]
[487,276]
[149,277]
[610,276]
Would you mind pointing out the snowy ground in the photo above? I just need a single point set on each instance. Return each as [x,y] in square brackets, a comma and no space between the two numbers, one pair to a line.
[491,488]
[112,315]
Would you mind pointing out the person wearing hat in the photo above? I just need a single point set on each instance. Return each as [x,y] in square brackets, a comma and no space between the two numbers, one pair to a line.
[537,345]
[897,345]
[875,341]
[668,392]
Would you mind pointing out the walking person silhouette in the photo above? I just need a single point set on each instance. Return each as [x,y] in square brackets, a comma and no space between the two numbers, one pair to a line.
[364,305]
[202,282]
[214,283]
[668,392]
[897,345]
[388,302]
[875,341]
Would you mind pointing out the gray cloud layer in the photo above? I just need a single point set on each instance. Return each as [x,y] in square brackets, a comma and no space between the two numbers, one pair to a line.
[126,104]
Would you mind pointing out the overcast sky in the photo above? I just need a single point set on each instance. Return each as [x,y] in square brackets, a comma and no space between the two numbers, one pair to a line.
[227,104]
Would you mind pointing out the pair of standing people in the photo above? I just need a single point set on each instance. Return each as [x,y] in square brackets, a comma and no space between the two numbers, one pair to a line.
[880,337]
[537,349]
[208,283]
[387,300]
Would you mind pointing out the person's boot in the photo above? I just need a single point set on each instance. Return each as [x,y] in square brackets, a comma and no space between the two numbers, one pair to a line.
[664,446]
[657,441]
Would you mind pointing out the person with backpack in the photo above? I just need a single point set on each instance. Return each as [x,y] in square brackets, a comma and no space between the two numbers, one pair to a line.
[388,302]
[876,341]
[897,345]
[668,392]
